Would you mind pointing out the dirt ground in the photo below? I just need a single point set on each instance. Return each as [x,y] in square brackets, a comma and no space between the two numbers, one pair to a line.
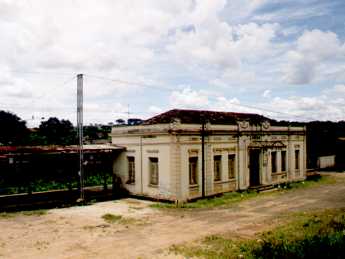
[81,232]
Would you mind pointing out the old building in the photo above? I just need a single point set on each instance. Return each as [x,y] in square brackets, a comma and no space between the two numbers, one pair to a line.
[186,154]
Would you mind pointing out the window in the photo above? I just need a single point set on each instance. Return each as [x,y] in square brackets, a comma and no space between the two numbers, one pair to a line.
[217,168]
[274,161]
[231,166]
[297,159]
[193,170]
[153,170]
[131,170]
[283,160]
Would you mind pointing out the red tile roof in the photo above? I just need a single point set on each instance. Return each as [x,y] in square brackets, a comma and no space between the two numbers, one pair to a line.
[197,116]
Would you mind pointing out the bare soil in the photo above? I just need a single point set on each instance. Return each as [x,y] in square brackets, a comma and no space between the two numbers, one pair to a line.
[144,232]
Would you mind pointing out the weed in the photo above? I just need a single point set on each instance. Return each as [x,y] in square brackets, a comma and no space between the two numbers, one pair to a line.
[24,213]
[5,215]
[111,218]
[224,200]
[34,212]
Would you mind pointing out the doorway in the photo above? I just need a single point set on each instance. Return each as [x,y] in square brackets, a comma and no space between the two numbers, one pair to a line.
[254,167]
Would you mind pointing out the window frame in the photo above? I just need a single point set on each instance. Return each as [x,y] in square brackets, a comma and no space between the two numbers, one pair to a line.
[274,162]
[193,165]
[217,160]
[153,171]
[231,169]
[131,169]
[283,160]
[297,159]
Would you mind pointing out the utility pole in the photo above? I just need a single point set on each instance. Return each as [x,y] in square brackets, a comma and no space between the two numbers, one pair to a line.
[80,133]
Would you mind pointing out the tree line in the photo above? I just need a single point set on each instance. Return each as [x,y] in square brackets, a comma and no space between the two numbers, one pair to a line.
[53,131]
[323,137]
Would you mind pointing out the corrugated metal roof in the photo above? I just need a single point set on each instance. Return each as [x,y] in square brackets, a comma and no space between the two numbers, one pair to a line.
[47,149]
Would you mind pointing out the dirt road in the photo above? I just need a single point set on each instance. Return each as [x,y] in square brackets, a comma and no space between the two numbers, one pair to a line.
[81,232]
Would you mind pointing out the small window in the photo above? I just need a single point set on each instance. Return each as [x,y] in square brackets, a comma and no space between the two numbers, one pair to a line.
[231,166]
[283,160]
[297,159]
[154,174]
[274,161]
[217,168]
[131,170]
[193,170]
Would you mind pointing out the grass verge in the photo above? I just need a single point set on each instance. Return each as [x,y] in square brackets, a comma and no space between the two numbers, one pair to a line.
[224,199]
[319,234]
[231,198]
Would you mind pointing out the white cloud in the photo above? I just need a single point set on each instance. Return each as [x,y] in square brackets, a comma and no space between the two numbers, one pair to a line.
[339,89]
[266,94]
[157,43]
[154,110]
[188,98]
[326,106]
[219,44]
[313,49]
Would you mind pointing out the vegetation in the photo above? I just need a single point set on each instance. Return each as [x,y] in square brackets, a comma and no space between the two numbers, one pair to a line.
[225,199]
[318,234]
[111,219]
[24,213]
[13,130]
[230,198]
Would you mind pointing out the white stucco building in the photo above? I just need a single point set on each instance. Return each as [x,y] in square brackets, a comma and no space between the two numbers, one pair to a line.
[185,154]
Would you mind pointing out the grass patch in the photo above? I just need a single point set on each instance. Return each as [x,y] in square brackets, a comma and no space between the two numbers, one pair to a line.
[118,219]
[312,182]
[309,235]
[111,218]
[34,212]
[231,198]
[5,215]
[225,199]
[24,213]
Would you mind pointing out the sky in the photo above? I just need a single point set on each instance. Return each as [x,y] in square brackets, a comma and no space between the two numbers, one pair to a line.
[284,59]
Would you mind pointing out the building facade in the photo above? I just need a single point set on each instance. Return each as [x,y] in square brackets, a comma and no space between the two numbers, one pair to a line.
[185,154]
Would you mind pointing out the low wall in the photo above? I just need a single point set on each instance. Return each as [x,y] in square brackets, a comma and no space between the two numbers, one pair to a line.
[326,161]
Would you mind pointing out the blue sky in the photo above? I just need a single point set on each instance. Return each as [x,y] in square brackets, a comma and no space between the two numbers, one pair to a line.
[283,59]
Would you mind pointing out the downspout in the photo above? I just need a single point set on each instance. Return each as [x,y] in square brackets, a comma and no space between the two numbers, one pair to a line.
[141,165]
[238,159]
[203,158]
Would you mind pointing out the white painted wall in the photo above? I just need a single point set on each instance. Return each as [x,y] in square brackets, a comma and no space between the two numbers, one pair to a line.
[174,149]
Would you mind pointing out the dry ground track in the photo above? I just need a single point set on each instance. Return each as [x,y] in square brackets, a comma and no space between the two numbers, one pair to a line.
[145,232]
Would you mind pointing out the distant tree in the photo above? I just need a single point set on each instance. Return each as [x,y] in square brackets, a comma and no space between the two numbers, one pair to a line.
[57,132]
[92,132]
[120,122]
[134,121]
[13,130]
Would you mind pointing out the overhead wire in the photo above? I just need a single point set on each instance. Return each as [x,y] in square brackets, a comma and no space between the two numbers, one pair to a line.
[289,115]
[159,88]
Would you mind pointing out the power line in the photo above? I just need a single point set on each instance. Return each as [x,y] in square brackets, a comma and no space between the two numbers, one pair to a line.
[132,83]
[173,89]
[41,73]
[161,88]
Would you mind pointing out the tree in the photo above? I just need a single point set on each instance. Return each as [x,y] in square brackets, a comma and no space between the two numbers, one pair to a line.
[57,132]
[13,130]
[120,122]
[91,132]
